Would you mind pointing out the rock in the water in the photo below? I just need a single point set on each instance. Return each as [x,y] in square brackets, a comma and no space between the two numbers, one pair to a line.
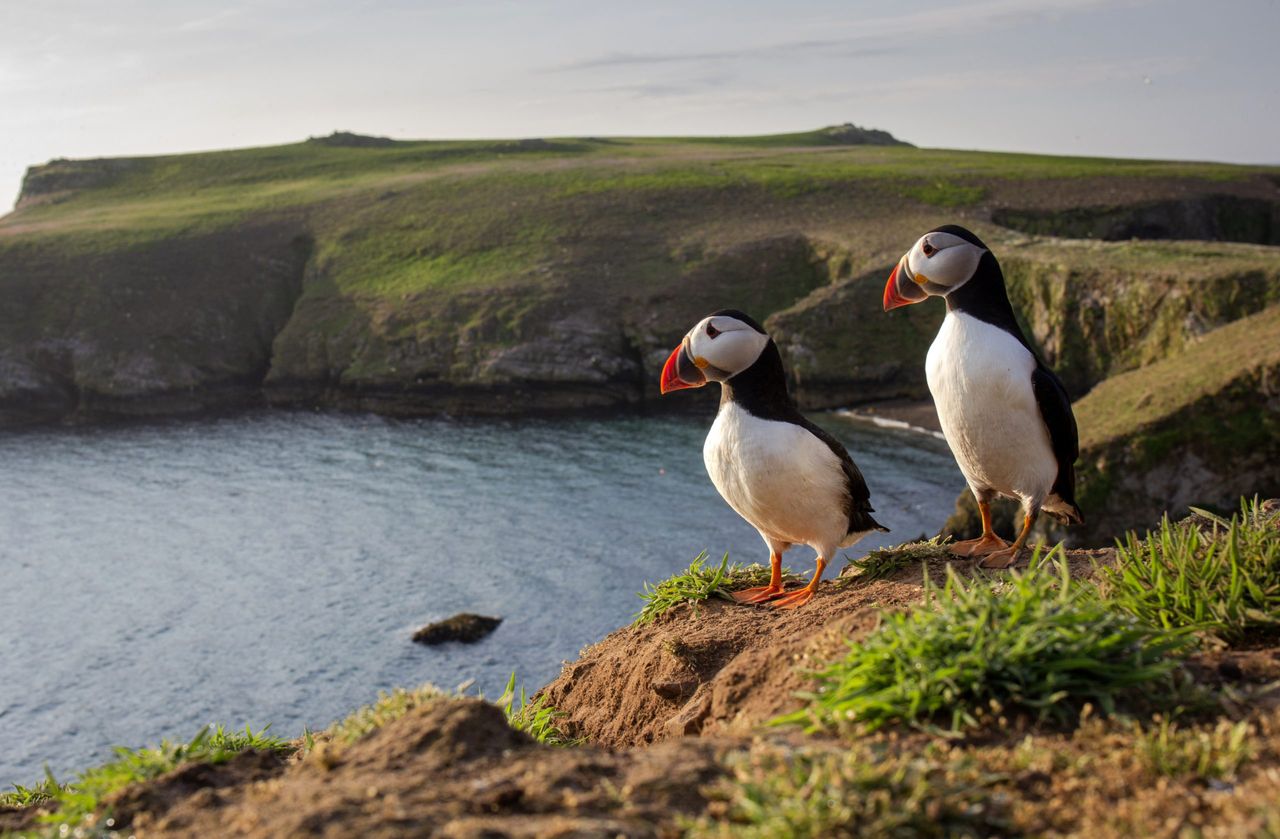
[465,627]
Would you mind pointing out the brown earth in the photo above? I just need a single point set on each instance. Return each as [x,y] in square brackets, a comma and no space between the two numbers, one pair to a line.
[721,669]
[450,769]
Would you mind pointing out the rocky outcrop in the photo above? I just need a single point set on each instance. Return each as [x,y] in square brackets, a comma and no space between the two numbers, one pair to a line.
[848,134]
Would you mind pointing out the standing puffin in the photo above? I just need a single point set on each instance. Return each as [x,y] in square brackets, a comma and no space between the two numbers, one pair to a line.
[791,481]
[1004,413]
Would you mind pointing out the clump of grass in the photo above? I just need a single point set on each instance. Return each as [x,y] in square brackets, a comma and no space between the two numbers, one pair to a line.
[849,794]
[30,796]
[1033,643]
[885,562]
[82,797]
[1209,753]
[1223,580]
[389,707]
[534,717]
[699,582]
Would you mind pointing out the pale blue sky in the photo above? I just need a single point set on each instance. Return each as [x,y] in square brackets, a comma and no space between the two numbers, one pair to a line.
[1140,78]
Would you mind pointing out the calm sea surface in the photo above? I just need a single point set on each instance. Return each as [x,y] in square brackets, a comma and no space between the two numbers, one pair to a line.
[270,568]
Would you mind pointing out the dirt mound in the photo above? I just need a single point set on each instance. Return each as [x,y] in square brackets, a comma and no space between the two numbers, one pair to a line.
[451,769]
[722,668]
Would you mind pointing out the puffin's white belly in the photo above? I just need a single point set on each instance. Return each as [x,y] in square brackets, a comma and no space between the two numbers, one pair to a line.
[980,378]
[783,480]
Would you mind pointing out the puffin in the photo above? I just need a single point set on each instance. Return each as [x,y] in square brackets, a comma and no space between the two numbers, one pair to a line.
[790,480]
[1005,415]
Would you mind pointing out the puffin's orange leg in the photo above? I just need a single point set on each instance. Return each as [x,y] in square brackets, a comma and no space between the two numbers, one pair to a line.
[804,595]
[985,544]
[759,594]
[1008,556]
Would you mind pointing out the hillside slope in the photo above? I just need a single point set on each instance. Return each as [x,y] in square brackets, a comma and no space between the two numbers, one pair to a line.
[488,277]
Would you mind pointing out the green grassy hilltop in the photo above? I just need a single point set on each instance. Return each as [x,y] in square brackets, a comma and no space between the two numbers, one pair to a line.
[545,275]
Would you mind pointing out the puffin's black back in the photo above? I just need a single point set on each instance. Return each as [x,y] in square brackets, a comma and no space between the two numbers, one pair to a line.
[761,390]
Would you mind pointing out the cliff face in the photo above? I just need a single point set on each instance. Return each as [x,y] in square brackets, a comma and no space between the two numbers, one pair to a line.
[185,324]
[556,275]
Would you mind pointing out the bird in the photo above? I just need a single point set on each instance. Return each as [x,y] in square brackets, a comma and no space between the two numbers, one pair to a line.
[1004,413]
[790,480]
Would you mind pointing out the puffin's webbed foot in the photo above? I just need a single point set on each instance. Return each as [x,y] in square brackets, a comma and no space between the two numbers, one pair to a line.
[987,543]
[1008,556]
[793,600]
[759,594]
[1001,559]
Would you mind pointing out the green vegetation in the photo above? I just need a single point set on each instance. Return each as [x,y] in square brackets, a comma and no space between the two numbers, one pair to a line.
[86,794]
[1207,753]
[854,793]
[1223,580]
[27,796]
[1122,404]
[1031,644]
[533,716]
[1199,408]
[698,583]
[946,194]
[885,562]
[389,707]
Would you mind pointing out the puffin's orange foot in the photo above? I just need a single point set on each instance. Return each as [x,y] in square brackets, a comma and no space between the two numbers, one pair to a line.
[982,546]
[793,600]
[1000,559]
[759,594]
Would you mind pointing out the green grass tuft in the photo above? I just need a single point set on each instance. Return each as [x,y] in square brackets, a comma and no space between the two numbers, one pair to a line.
[533,716]
[1035,643]
[1223,580]
[1207,753]
[21,796]
[885,562]
[699,582]
[83,796]
[389,707]
[772,793]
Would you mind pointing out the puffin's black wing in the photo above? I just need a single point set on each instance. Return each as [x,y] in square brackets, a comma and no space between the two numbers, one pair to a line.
[859,497]
[1055,409]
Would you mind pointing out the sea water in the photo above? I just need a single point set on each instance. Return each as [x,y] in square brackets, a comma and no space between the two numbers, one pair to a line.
[271,567]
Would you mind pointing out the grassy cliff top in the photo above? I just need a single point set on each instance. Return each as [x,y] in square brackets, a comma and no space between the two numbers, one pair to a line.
[1124,405]
[166,194]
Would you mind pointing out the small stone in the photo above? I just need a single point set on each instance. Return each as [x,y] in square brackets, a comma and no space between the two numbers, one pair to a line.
[465,628]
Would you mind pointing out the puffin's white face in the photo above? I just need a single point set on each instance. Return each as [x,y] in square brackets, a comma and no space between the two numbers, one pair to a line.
[937,264]
[719,347]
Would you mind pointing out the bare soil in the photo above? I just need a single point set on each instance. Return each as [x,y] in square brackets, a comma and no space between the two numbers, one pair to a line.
[451,769]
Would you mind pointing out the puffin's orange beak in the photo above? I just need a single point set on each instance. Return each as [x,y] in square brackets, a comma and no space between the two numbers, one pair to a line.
[680,372]
[899,293]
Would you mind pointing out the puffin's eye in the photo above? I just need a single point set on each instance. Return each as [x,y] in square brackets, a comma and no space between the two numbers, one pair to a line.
[929,250]
[712,332]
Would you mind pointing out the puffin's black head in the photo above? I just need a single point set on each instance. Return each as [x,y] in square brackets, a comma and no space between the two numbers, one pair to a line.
[941,261]
[719,347]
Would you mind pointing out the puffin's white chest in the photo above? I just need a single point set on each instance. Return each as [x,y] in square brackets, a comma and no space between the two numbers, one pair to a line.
[779,477]
[980,378]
